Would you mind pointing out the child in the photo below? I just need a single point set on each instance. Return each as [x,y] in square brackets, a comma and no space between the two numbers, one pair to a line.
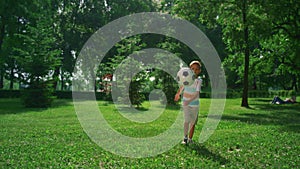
[190,103]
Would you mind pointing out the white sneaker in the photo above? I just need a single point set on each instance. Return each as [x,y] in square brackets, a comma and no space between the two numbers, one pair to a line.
[184,141]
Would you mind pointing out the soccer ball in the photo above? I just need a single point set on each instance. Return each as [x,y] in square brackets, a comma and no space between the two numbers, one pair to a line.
[185,76]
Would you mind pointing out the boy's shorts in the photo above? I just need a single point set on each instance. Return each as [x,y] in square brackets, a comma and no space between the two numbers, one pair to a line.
[190,114]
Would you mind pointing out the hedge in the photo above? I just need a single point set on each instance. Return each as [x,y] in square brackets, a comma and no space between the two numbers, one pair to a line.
[103,96]
[10,93]
[84,95]
[58,94]
[261,93]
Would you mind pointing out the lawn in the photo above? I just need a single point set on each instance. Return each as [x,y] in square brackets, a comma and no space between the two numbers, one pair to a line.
[264,136]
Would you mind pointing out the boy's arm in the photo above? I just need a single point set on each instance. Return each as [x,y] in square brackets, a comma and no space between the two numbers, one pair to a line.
[177,96]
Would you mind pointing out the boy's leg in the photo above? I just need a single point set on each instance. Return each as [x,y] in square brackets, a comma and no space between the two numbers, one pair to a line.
[186,124]
[186,129]
[192,129]
[194,119]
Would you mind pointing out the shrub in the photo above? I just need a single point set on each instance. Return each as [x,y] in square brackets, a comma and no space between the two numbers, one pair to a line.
[103,96]
[233,93]
[38,95]
[63,94]
[10,93]
[136,97]
[85,95]
[258,93]
[292,93]
[204,95]
[282,93]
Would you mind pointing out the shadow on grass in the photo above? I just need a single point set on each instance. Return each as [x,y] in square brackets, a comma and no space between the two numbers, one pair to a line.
[287,116]
[174,107]
[62,102]
[264,100]
[15,106]
[128,109]
[202,151]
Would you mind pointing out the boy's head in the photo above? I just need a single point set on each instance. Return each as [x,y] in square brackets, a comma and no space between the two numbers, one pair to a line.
[196,67]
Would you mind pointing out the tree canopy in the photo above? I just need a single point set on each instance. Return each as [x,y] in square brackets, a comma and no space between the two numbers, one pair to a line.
[257,41]
[260,32]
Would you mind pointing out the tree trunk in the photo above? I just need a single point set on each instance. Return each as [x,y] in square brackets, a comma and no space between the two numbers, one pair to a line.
[2,33]
[247,55]
[62,82]
[254,86]
[11,84]
[55,77]
[294,83]
[1,79]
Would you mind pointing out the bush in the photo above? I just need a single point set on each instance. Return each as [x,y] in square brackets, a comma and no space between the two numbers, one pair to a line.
[258,93]
[85,95]
[233,93]
[135,96]
[169,90]
[107,97]
[103,96]
[280,93]
[204,95]
[10,93]
[292,93]
[63,94]
[38,95]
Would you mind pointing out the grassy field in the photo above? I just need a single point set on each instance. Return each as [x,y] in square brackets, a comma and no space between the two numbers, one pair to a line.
[264,136]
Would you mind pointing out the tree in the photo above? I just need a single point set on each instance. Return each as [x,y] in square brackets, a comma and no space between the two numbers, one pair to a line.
[12,18]
[78,21]
[239,20]
[275,57]
[163,80]
[282,42]
[38,59]
[128,83]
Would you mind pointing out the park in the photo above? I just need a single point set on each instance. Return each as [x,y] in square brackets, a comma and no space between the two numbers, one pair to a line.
[91,84]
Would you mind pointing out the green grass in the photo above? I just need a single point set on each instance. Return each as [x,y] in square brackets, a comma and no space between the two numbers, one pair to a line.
[265,136]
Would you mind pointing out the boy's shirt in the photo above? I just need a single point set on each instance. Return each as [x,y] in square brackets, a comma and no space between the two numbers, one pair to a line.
[190,90]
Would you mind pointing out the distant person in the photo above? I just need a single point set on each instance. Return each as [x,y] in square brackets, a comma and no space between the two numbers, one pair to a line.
[278,100]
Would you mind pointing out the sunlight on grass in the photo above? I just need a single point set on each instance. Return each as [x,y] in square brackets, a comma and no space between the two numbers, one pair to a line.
[264,136]
[135,129]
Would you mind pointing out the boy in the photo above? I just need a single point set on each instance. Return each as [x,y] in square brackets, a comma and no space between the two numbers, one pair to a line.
[190,103]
